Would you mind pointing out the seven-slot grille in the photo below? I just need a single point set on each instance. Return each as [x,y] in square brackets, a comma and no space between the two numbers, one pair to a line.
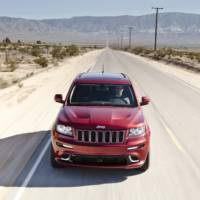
[97,136]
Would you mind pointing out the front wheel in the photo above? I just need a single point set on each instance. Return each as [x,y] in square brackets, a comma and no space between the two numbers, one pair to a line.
[146,164]
[54,163]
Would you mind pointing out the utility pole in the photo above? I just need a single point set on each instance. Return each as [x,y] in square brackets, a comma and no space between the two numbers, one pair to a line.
[130,36]
[122,38]
[6,56]
[156,26]
[107,44]
[118,42]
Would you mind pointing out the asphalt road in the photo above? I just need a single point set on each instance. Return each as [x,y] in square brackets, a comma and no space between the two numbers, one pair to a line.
[174,174]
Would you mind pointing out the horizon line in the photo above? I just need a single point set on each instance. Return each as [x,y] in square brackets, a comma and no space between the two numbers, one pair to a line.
[49,18]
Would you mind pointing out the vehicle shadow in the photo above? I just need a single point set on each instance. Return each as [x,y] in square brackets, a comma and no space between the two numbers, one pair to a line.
[46,176]
[15,153]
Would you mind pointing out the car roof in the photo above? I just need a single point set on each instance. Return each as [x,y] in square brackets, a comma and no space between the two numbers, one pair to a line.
[102,77]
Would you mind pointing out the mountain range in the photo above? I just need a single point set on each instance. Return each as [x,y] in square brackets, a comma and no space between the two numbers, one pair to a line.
[180,29]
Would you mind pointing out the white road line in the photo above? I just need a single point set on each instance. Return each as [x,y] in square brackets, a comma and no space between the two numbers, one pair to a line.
[32,171]
[165,126]
[172,136]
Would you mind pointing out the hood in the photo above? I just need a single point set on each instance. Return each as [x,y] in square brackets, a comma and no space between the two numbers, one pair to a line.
[111,117]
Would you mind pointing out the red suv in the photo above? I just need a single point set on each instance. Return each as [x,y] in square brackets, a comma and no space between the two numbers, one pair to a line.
[101,124]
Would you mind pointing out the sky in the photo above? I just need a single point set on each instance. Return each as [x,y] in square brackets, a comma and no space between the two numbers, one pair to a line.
[40,9]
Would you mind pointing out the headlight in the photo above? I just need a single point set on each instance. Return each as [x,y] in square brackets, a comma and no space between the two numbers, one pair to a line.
[65,130]
[139,131]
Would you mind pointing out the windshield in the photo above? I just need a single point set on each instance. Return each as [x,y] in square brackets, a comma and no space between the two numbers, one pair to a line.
[102,95]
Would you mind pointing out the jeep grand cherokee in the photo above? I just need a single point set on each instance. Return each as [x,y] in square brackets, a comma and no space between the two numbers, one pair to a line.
[101,124]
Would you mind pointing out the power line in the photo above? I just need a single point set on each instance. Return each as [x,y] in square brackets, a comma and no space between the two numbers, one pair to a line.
[156,26]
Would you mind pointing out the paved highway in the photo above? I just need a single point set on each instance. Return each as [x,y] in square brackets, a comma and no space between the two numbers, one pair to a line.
[174,119]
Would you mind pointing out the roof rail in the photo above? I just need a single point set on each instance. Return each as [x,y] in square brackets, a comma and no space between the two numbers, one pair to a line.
[81,74]
[102,69]
[124,75]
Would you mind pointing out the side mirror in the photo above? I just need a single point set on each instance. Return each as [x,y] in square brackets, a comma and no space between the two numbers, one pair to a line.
[145,101]
[58,98]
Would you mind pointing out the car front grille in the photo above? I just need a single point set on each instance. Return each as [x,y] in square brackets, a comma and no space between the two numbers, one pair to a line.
[96,136]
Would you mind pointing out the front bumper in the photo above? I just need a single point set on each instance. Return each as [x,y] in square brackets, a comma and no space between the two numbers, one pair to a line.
[131,154]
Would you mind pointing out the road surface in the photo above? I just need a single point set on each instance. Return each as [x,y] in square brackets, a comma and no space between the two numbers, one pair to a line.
[173,116]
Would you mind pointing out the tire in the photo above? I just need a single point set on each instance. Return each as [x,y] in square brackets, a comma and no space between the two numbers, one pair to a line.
[54,163]
[146,164]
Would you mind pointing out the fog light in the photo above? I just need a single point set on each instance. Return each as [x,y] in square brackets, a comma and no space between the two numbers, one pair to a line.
[132,148]
[59,144]
[66,157]
[67,146]
[133,159]
[135,147]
